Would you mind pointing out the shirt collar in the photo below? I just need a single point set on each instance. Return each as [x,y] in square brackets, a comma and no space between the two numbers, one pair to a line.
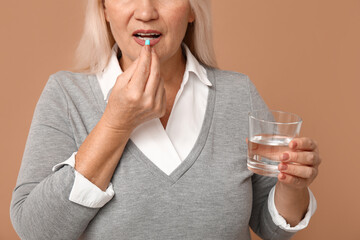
[108,76]
[193,65]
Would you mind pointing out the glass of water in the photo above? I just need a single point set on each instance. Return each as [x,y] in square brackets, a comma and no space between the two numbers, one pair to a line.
[270,133]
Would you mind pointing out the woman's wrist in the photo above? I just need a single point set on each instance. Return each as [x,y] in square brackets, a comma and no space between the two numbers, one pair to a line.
[291,203]
[121,128]
[100,153]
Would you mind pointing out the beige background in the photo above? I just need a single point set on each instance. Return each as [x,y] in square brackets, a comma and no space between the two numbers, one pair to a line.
[303,56]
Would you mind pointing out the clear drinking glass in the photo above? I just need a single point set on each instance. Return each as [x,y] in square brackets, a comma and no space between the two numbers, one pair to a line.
[270,133]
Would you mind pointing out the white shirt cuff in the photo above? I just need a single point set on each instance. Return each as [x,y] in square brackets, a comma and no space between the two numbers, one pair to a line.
[85,192]
[281,222]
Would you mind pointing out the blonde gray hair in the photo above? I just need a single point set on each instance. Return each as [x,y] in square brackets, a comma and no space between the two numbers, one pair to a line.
[94,49]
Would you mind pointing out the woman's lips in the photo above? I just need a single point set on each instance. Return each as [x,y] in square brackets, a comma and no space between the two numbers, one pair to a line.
[152,41]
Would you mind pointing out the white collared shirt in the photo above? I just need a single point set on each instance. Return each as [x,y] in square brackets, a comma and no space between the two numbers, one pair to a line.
[166,148]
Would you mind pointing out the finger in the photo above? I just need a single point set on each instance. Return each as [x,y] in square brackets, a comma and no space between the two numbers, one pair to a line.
[304,144]
[304,158]
[125,77]
[301,171]
[154,77]
[142,71]
[292,180]
[265,151]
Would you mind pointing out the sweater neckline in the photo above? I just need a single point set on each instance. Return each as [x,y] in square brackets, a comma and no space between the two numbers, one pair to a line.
[196,149]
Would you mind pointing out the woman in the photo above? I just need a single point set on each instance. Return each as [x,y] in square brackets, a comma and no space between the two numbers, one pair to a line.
[148,142]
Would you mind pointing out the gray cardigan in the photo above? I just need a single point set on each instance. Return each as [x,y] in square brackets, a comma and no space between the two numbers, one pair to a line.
[211,195]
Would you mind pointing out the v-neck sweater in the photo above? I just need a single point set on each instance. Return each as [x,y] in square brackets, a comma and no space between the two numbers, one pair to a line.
[211,195]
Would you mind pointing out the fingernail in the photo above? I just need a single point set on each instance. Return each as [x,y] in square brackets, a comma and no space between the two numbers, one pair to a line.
[285,156]
[293,145]
[282,167]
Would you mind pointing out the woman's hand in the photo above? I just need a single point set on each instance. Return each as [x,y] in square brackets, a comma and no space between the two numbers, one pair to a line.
[299,166]
[138,94]
[298,169]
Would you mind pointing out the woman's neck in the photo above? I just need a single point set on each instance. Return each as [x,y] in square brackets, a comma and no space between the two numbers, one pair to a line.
[172,70]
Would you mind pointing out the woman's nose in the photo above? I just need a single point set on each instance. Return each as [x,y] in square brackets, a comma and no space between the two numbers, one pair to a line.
[146,10]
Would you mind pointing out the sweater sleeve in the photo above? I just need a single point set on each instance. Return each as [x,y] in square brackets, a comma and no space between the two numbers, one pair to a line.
[40,206]
[261,221]
[83,191]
